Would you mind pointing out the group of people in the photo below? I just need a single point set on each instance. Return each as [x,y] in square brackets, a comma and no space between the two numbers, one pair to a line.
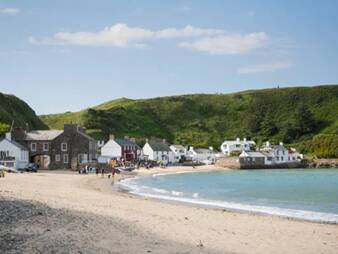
[110,169]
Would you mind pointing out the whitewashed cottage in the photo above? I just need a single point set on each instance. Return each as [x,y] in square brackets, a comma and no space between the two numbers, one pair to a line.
[158,151]
[180,152]
[13,154]
[202,155]
[229,147]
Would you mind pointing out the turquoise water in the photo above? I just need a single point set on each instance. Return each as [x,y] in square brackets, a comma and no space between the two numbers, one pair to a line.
[310,194]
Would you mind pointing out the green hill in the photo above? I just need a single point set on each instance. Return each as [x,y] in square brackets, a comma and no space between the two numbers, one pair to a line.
[12,108]
[293,115]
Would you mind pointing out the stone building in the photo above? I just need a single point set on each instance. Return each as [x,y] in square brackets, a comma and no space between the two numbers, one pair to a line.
[58,149]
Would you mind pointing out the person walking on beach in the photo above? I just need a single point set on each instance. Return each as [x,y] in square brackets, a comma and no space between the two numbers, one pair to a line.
[113,173]
[102,172]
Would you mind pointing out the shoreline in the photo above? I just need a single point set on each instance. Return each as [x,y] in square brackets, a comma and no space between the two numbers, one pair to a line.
[283,213]
[64,210]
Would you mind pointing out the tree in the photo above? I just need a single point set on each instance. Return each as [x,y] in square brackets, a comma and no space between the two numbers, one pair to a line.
[3,128]
[305,121]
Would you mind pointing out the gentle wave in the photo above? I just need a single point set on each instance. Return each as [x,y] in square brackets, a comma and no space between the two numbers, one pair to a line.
[130,185]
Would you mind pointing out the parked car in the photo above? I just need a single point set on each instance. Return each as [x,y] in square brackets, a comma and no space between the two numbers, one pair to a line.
[2,173]
[31,167]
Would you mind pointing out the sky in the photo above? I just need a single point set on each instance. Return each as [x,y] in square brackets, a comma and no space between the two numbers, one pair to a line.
[69,55]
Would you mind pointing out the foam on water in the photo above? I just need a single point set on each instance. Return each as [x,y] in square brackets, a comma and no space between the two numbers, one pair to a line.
[133,186]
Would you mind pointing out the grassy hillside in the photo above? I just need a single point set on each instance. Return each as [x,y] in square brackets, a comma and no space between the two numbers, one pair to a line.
[12,108]
[293,115]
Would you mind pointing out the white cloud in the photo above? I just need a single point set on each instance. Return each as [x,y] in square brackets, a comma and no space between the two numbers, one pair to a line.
[228,44]
[121,35]
[9,11]
[213,41]
[188,31]
[264,67]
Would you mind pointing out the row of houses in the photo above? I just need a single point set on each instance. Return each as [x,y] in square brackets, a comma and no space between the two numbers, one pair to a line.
[158,151]
[72,147]
[269,155]
[50,149]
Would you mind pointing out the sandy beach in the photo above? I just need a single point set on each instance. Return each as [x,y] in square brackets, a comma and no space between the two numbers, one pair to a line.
[63,212]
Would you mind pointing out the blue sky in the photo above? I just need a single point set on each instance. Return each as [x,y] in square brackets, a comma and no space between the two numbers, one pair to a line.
[68,55]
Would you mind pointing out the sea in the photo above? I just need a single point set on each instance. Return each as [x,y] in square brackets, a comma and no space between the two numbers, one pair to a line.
[306,194]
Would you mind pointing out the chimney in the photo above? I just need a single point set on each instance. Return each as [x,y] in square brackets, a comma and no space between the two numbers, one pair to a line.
[164,141]
[211,148]
[70,128]
[267,144]
[244,139]
[133,140]
[147,140]
[111,137]
[281,143]
[9,135]
[238,139]
[126,137]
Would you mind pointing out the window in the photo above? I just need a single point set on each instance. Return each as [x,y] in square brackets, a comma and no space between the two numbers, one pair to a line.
[65,158]
[64,147]
[33,147]
[57,157]
[277,158]
[293,158]
[289,158]
[238,146]
[282,158]
[45,147]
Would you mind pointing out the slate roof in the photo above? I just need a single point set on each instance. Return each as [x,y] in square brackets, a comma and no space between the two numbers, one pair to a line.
[43,134]
[15,143]
[179,147]
[275,147]
[125,142]
[86,136]
[202,150]
[160,147]
[255,154]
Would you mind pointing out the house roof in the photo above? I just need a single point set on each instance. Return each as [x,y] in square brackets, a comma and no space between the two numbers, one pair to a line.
[160,147]
[125,142]
[254,154]
[232,142]
[15,143]
[85,135]
[43,134]
[179,147]
[202,150]
[275,147]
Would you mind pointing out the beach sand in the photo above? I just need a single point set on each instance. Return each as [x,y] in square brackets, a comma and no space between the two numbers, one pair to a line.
[63,212]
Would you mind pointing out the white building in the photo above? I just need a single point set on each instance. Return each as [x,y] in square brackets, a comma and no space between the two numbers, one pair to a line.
[159,152]
[270,155]
[202,155]
[179,151]
[278,154]
[121,148]
[13,154]
[229,147]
